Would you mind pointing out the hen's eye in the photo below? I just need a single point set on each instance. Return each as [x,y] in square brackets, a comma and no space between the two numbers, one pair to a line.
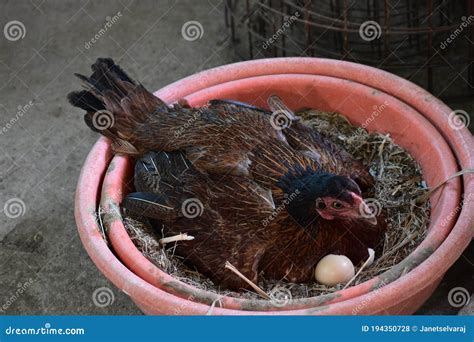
[337,205]
[321,205]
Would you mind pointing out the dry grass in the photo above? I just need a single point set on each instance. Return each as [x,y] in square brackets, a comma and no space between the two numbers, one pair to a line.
[398,184]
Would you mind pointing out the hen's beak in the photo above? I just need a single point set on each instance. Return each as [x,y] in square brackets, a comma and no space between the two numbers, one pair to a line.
[365,212]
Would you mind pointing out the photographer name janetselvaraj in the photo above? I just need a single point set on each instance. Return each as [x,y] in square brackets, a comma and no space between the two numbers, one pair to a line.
[413,329]
[446,328]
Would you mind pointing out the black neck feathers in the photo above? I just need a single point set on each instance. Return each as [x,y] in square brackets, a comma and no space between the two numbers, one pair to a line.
[303,186]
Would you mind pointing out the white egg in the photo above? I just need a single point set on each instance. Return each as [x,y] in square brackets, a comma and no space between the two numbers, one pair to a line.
[334,269]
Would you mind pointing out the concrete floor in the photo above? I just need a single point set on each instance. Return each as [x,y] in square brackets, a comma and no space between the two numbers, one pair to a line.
[43,147]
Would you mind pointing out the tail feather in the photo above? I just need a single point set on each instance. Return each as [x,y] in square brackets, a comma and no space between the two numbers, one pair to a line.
[106,75]
[104,65]
[85,100]
[109,89]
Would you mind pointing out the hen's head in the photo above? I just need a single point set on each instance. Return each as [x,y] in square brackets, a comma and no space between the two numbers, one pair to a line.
[318,194]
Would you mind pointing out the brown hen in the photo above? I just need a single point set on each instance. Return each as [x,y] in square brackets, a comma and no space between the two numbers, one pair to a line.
[271,201]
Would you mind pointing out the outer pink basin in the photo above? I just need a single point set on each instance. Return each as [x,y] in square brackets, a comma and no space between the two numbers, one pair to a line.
[425,280]
[356,102]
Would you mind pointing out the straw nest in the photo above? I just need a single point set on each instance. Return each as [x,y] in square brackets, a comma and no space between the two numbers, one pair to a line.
[398,184]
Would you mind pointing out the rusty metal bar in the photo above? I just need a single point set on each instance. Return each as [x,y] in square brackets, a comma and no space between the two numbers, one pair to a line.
[250,42]
[409,23]
[471,47]
[386,32]
[429,56]
[283,38]
[345,32]
[308,27]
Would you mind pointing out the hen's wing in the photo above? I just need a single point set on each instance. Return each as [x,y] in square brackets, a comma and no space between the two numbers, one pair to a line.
[225,216]
[304,139]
